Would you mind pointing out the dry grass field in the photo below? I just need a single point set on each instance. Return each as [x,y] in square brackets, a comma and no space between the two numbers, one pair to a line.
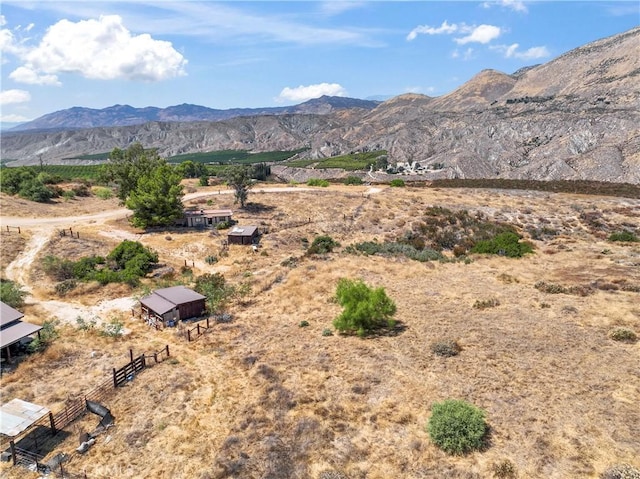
[262,397]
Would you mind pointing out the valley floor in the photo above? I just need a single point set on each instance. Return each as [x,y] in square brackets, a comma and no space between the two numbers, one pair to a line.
[262,397]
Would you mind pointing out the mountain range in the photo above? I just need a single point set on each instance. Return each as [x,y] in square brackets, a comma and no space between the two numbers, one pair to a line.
[574,117]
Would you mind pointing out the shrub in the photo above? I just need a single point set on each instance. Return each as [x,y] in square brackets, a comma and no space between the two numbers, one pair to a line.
[504,469]
[624,335]
[104,193]
[34,190]
[397,183]
[624,236]
[457,427]
[365,309]
[505,244]
[68,195]
[11,293]
[204,180]
[621,471]
[113,329]
[84,325]
[304,324]
[317,182]
[211,259]
[327,332]
[353,180]
[322,244]
[65,286]
[445,348]
[224,225]
[47,334]
[486,303]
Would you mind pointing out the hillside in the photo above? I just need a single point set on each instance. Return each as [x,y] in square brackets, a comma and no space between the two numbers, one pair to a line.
[575,117]
[263,397]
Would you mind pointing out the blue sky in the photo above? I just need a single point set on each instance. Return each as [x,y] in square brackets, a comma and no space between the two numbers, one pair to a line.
[57,54]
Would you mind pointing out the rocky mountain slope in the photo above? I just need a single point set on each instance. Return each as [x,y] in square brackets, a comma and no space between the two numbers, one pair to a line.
[575,117]
[125,115]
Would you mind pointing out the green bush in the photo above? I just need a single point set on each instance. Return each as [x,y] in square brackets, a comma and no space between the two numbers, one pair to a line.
[365,309]
[113,329]
[624,236]
[36,191]
[104,193]
[11,293]
[397,183]
[353,180]
[505,244]
[224,225]
[65,286]
[624,335]
[457,427]
[47,334]
[322,244]
[204,180]
[317,182]
[304,324]
[396,249]
[327,332]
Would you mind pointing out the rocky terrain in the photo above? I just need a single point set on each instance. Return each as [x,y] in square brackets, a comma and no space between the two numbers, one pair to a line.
[575,117]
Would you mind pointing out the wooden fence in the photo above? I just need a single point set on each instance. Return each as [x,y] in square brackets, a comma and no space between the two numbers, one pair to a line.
[14,227]
[197,331]
[129,370]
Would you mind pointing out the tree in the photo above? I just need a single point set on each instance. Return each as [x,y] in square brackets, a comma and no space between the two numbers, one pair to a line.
[322,244]
[156,199]
[239,178]
[365,309]
[11,293]
[189,169]
[457,427]
[215,288]
[126,167]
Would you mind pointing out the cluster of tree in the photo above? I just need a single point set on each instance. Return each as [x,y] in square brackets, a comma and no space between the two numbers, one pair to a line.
[28,184]
[218,292]
[11,293]
[127,263]
[146,184]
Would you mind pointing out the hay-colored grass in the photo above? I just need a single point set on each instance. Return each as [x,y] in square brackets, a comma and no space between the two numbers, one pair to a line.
[262,397]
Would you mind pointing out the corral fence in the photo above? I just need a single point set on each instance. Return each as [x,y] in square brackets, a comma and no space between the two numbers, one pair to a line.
[42,431]
[63,232]
[198,330]
[9,228]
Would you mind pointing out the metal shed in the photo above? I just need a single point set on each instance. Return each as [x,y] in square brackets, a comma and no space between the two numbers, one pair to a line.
[173,304]
[243,235]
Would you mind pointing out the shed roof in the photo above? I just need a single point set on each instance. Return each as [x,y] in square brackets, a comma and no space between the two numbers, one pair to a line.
[8,314]
[18,415]
[243,231]
[164,300]
[12,333]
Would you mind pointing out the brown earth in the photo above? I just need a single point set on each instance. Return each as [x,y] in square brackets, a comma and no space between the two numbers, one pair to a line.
[263,397]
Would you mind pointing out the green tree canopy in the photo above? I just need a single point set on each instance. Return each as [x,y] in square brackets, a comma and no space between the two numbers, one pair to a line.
[156,199]
[11,293]
[126,167]
[239,177]
[457,427]
[365,309]
[190,169]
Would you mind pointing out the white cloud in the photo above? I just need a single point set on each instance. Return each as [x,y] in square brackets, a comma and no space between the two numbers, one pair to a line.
[12,118]
[14,96]
[31,77]
[465,55]
[480,34]
[334,7]
[303,93]
[532,53]
[99,49]
[516,5]
[445,28]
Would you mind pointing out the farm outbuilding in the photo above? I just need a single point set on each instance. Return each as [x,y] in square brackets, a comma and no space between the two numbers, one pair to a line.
[169,305]
[204,218]
[243,235]
[13,330]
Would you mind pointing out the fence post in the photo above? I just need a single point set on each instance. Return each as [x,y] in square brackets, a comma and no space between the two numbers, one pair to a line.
[198,326]
[53,424]
[207,322]
[12,445]
[18,230]
[167,350]
[155,357]
[189,335]
[131,355]
[115,381]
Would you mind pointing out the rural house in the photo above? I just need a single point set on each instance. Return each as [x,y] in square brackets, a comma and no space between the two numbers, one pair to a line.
[204,218]
[243,235]
[170,305]
[13,329]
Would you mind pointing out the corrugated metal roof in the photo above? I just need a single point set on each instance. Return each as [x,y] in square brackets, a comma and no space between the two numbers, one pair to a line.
[15,332]
[243,231]
[179,294]
[157,304]
[18,415]
[164,300]
[8,314]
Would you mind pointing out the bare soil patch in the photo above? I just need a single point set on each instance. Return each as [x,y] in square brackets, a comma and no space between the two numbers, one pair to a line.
[263,397]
